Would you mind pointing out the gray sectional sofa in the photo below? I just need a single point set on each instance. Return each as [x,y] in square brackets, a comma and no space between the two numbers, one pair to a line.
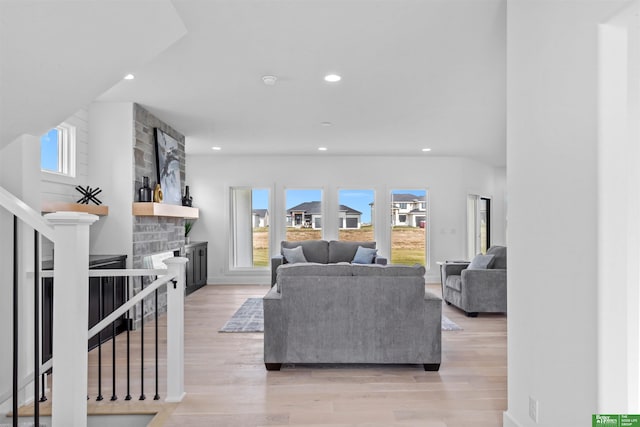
[323,252]
[351,313]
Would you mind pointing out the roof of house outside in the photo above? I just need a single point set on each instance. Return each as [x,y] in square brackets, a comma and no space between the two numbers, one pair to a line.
[261,212]
[406,197]
[315,207]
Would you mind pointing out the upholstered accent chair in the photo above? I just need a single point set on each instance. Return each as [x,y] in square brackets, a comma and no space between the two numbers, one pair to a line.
[479,286]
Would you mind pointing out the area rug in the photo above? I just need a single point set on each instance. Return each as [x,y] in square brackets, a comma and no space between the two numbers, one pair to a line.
[249,318]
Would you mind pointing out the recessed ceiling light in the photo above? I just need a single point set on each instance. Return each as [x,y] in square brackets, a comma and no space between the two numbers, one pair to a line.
[332,78]
[216,148]
[426,149]
[269,80]
[322,148]
[129,77]
[326,124]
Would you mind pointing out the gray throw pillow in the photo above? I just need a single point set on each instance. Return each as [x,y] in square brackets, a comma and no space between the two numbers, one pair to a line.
[364,255]
[294,255]
[481,262]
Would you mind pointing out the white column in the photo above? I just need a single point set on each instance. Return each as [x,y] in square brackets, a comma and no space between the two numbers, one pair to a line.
[70,316]
[175,330]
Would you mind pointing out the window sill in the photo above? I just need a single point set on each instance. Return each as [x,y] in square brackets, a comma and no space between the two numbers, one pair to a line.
[58,178]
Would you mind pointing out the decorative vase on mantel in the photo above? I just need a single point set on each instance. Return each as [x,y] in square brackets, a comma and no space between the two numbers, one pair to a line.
[145,194]
[187,200]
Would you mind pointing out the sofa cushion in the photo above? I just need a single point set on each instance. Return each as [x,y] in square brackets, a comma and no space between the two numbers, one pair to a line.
[314,250]
[500,254]
[387,270]
[295,255]
[364,255]
[481,262]
[454,282]
[342,251]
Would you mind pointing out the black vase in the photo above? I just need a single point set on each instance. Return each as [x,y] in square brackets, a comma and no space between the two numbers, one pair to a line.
[145,193]
[187,200]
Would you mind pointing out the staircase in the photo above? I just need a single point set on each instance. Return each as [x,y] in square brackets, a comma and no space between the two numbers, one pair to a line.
[69,232]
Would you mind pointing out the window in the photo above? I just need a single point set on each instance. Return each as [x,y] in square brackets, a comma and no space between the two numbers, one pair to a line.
[408,229]
[250,227]
[355,215]
[304,214]
[58,150]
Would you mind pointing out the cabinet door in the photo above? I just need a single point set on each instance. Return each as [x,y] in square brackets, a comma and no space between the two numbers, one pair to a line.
[196,265]
[189,253]
[202,266]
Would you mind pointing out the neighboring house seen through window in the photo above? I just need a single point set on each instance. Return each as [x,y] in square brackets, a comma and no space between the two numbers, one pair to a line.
[303,214]
[355,215]
[408,227]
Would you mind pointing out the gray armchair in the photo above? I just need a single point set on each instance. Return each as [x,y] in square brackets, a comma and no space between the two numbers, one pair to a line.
[477,290]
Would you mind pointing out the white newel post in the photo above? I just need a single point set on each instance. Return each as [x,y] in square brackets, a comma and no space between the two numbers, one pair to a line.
[70,317]
[175,329]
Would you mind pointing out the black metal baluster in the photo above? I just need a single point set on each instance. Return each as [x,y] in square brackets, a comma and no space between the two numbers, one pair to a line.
[36,327]
[100,317]
[129,324]
[157,396]
[43,396]
[15,322]
[142,396]
[113,339]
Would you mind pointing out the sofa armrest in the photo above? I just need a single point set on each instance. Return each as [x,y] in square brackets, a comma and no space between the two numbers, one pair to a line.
[380,260]
[276,261]
[484,288]
[275,332]
[453,268]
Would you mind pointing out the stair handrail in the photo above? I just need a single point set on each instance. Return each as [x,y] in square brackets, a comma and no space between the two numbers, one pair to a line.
[26,213]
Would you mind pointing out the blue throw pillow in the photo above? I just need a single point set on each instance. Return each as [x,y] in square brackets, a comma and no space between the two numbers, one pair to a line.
[364,255]
[294,255]
[481,262]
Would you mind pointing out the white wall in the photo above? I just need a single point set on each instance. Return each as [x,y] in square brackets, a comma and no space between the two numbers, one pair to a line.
[619,210]
[552,60]
[111,160]
[448,181]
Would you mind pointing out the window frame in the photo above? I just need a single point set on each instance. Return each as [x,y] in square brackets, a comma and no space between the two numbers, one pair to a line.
[67,155]
[233,242]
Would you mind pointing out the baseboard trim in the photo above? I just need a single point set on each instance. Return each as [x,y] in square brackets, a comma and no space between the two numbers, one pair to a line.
[509,421]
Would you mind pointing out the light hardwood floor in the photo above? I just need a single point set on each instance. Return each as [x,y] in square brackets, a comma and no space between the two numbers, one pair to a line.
[227,384]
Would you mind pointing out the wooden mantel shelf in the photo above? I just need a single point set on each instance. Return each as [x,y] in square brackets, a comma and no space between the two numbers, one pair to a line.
[162,209]
[101,210]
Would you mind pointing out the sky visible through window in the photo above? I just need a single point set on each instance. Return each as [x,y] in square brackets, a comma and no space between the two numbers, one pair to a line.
[49,151]
[359,200]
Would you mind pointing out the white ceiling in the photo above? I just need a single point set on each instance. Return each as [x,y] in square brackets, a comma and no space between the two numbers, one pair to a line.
[415,73]
[58,56]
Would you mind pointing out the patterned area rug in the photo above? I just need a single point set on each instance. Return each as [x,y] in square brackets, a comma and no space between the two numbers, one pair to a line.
[249,318]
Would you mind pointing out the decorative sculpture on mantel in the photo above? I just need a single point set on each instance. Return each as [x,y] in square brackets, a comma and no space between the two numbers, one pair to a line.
[88,194]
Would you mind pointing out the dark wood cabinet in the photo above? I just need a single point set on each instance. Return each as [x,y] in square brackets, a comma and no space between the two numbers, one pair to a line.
[196,253]
[105,294]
